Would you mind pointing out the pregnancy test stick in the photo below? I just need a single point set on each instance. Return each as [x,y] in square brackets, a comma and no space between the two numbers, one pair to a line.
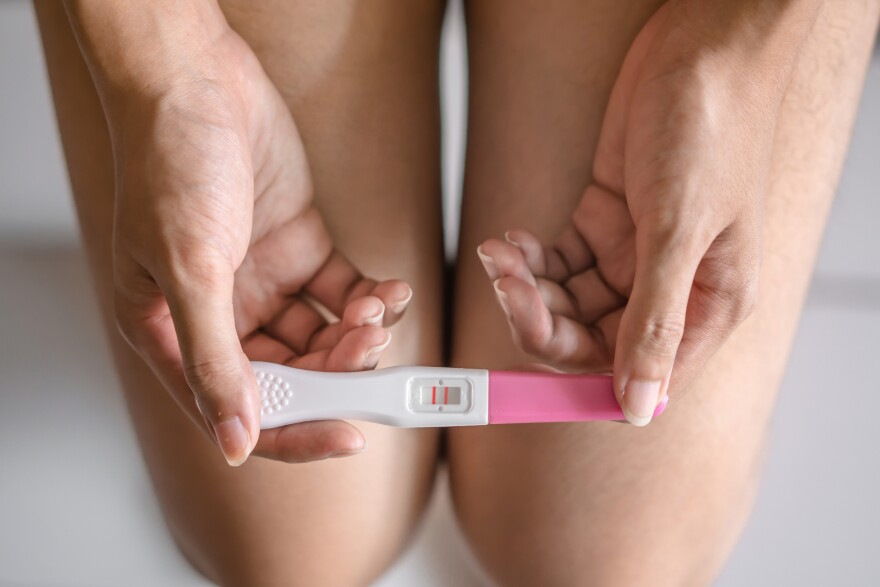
[414,397]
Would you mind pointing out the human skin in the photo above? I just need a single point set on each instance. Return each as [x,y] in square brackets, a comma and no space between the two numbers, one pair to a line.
[610,504]
[372,138]
[661,260]
[213,194]
[592,504]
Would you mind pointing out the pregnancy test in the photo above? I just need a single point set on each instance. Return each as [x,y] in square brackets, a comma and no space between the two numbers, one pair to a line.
[414,397]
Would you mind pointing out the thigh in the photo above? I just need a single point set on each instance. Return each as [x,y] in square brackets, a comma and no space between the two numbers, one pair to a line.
[360,79]
[609,504]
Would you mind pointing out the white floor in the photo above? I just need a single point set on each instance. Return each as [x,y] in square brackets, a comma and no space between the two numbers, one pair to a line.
[75,503]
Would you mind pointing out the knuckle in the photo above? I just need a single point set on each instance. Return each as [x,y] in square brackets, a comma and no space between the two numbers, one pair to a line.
[535,341]
[137,316]
[660,334]
[530,343]
[208,377]
[199,267]
[739,284]
[746,299]
[679,230]
[140,330]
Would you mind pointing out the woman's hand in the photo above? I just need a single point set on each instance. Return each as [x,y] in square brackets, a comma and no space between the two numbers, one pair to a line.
[661,260]
[220,254]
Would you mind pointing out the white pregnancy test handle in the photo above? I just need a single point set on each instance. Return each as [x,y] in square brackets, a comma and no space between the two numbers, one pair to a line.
[406,397]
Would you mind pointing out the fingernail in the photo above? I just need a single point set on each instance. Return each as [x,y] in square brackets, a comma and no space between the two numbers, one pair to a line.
[489,264]
[510,240]
[502,297]
[347,452]
[234,440]
[640,399]
[377,319]
[372,357]
[402,304]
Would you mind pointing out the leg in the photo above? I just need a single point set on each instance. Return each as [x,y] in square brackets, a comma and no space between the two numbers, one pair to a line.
[361,83]
[608,504]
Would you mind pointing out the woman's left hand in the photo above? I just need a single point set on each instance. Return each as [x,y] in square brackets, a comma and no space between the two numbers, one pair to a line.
[660,262]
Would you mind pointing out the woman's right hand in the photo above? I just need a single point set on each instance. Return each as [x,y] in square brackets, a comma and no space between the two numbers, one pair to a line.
[219,253]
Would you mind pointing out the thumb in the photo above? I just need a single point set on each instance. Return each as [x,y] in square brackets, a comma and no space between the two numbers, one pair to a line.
[214,365]
[653,321]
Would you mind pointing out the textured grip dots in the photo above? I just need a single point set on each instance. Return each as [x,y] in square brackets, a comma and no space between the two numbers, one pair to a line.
[275,393]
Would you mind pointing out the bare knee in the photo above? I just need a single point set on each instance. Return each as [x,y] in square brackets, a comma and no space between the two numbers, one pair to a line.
[233,564]
[534,558]
[544,505]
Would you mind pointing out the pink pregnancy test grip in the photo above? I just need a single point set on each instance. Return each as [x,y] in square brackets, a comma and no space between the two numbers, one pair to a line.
[521,397]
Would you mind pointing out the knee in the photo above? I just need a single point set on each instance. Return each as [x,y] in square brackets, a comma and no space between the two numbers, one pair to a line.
[531,545]
[524,562]
[228,565]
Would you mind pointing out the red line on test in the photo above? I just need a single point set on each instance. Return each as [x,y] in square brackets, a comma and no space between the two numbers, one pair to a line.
[445,395]
[434,395]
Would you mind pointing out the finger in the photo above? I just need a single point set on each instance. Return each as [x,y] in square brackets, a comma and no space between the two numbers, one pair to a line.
[556,339]
[267,286]
[338,282]
[300,442]
[604,221]
[396,295]
[585,296]
[358,350]
[503,259]
[557,299]
[592,295]
[607,328]
[296,325]
[653,323]
[310,441]
[725,293]
[364,311]
[532,249]
[199,295]
[260,346]
[144,321]
[569,254]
